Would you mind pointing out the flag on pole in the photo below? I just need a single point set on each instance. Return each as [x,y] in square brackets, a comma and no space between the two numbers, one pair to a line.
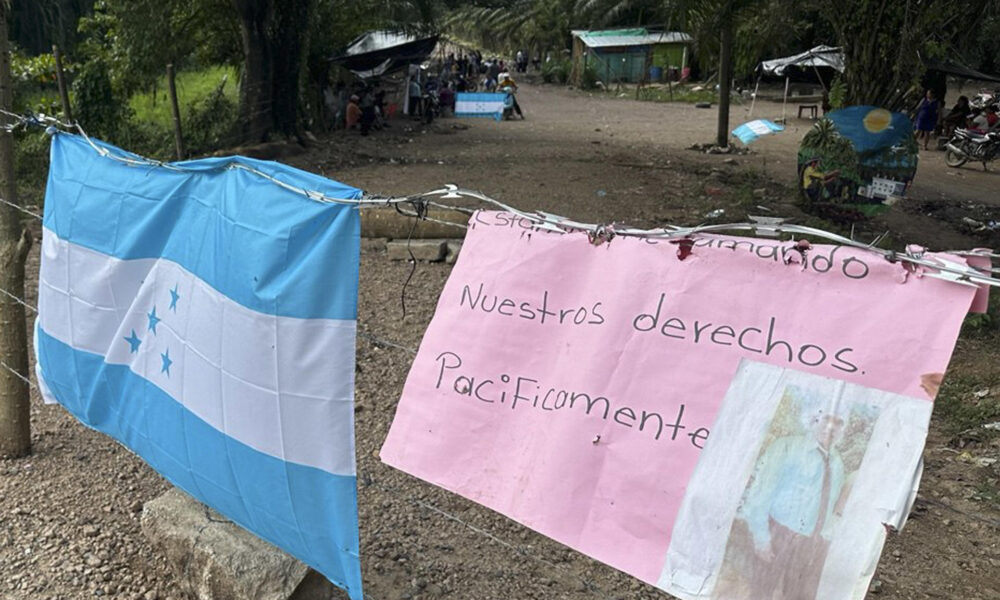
[752,130]
[206,319]
[480,105]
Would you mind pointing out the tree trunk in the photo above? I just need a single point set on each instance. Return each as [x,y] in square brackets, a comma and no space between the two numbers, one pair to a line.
[15,432]
[274,37]
[725,79]
[256,85]
[289,45]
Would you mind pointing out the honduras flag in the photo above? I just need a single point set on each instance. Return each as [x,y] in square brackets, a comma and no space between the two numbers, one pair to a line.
[752,130]
[206,318]
[480,105]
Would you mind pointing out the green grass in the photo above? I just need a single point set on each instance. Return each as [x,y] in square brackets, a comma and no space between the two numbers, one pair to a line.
[681,94]
[192,86]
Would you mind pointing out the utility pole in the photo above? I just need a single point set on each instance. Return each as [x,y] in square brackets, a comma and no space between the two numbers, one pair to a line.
[725,76]
[15,432]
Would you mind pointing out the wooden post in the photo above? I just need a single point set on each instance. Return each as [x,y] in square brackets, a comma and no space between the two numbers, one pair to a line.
[725,78]
[15,424]
[61,79]
[178,138]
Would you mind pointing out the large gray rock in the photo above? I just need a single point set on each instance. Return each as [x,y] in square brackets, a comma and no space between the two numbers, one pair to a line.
[423,250]
[215,559]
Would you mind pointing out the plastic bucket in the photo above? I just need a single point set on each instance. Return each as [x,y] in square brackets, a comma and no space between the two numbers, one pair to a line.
[655,73]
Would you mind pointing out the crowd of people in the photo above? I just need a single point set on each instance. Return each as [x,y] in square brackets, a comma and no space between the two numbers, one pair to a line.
[362,105]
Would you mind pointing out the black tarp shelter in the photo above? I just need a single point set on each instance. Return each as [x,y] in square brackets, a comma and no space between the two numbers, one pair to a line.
[376,53]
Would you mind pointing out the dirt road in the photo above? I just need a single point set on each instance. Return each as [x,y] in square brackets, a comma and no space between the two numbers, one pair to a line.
[69,514]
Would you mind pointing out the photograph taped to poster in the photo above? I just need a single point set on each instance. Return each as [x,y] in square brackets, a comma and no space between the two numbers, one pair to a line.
[572,387]
[808,502]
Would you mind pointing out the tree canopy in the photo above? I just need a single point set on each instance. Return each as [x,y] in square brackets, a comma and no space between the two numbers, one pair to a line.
[280,46]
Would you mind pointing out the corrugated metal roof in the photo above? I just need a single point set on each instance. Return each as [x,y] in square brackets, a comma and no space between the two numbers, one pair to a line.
[629,37]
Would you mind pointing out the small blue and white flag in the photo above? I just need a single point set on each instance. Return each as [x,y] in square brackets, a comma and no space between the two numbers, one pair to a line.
[206,319]
[480,104]
[752,130]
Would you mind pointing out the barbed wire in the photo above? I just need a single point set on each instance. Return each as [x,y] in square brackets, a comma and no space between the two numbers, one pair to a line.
[19,300]
[20,208]
[17,374]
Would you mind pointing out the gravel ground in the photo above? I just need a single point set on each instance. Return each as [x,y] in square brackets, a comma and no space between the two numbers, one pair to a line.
[69,514]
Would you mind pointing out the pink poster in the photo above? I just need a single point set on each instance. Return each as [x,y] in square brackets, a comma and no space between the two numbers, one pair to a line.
[694,419]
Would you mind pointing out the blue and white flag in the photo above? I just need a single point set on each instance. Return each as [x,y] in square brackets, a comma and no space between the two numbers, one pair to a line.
[480,105]
[206,319]
[752,130]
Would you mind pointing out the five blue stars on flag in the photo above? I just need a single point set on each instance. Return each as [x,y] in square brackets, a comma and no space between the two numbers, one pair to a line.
[134,341]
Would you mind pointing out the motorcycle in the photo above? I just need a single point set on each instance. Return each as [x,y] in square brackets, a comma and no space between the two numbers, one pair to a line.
[508,102]
[966,145]
[983,99]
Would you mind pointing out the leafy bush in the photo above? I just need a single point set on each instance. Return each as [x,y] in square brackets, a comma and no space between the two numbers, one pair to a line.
[838,93]
[34,83]
[97,107]
[211,121]
[588,77]
[556,71]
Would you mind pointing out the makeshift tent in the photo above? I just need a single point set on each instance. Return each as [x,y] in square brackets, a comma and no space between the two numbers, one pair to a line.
[376,53]
[820,57]
[629,54]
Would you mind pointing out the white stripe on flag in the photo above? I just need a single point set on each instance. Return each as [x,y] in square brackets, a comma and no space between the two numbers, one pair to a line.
[476,107]
[281,385]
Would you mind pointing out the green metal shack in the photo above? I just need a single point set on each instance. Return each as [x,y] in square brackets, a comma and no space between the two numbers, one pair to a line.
[629,55]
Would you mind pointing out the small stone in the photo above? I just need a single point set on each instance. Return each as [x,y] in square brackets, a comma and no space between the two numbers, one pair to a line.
[150,595]
[90,531]
[875,587]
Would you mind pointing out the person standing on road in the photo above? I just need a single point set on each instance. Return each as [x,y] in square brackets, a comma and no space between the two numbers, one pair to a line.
[353,113]
[927,117]
[416,97]
[367,106]
[492,75]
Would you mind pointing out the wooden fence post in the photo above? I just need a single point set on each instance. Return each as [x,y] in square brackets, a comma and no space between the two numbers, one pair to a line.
[178,138]
[61,79]
[15,424]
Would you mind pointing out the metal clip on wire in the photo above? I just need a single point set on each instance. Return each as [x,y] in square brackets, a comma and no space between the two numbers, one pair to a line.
[601,234]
